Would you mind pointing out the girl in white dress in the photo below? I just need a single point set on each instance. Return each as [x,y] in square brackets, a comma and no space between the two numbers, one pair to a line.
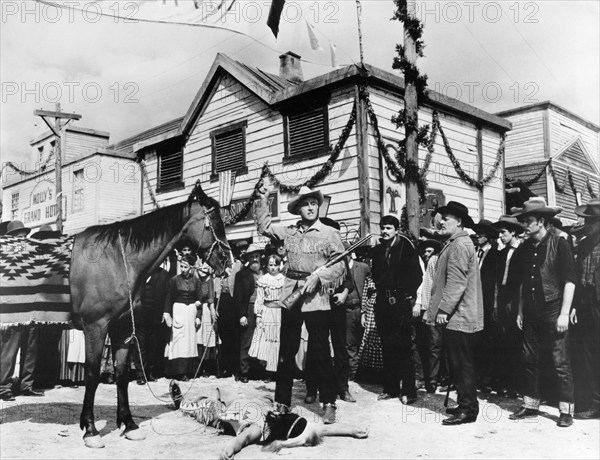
[265,342]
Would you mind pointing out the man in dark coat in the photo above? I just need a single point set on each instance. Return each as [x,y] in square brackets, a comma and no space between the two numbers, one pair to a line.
[586,316]
[487,256]
[244,296]
[397,275]
[148,320]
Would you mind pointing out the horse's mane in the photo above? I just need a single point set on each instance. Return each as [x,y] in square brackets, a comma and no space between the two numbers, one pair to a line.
[141,231]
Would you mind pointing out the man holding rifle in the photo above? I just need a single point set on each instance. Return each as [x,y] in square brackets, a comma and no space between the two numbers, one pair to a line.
[310,245]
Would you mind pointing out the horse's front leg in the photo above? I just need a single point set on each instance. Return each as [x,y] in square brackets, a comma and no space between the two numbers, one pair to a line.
[95,334]
[118,335]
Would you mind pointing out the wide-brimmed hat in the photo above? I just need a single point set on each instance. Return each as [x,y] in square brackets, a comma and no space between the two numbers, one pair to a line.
[485,226]
[16,226]
[45,232]
[253,249]
[590,209]
[304,192]
[430,243]
[535,205]
[459,210]
[510,223]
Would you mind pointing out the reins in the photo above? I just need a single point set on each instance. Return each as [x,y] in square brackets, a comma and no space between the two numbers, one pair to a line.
[133,335]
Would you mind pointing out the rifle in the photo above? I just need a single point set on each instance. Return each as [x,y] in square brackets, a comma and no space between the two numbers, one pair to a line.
[295,297]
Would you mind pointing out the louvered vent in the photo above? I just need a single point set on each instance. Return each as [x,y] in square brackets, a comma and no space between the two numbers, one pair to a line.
[170,172]
[229,150]
[308,132]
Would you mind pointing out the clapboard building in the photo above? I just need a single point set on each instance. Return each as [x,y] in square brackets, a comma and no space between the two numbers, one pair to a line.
[100,184]
[561,148]
[243,117]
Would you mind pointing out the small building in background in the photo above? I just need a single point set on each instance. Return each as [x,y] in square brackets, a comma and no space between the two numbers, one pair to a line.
[99,184]
[555,153]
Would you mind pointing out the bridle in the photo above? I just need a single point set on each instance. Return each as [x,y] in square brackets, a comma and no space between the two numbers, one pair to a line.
[217,243]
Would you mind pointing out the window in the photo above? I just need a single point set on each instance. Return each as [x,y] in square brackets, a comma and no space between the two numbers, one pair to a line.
[41,154]
[14,206]
[306,133]
[229,149]
[78,190]
[170,168]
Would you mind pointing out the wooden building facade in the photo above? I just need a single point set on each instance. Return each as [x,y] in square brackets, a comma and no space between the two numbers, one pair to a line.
[100,185]
[548,137]
[243,117]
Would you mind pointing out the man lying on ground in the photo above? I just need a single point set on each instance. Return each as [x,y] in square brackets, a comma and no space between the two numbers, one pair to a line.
[257,421]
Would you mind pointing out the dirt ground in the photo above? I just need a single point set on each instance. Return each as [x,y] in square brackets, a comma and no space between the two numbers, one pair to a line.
[48,427]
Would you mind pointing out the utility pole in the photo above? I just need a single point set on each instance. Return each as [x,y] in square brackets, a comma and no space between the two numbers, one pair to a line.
[57,129]
[412,121]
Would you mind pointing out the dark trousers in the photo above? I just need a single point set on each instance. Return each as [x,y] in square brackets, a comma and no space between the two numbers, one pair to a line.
[434,353]
[47,366]
[507,349]
[541,338]
[11,340]
[246,335]
[228,325]
[420,350]
[585,338]
[459,350]
[394,327]
[147,334]
[354,334]
[291,329]
[341,367]
[318,357]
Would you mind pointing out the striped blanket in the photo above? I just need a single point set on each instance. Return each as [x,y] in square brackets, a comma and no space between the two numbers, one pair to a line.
[34,281]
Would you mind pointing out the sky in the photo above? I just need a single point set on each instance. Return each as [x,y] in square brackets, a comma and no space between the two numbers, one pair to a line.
[127,76]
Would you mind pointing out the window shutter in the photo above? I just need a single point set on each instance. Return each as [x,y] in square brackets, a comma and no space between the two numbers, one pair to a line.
[307,132]
[230,151]
[170,172]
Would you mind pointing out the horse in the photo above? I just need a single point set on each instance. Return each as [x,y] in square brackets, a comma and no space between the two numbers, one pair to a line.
[108,267]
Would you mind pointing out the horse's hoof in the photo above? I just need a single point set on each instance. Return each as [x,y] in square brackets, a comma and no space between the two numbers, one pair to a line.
[134,435]
[95,442]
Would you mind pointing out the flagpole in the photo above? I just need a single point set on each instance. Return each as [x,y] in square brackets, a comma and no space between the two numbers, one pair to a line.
[360,41]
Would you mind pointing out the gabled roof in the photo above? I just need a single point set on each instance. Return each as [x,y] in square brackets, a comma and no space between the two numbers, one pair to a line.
[274,90]
[578,147]
[545,105]
[151,136]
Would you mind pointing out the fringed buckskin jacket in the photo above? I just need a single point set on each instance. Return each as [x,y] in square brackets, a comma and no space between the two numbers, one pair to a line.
[307,250]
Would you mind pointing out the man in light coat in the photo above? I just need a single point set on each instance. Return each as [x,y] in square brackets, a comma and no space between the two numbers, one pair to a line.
[457,304]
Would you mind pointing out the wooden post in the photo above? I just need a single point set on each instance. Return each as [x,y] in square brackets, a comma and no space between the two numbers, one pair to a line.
[412,117]
[58,170]
[57,129]
[362,145]
[480,169]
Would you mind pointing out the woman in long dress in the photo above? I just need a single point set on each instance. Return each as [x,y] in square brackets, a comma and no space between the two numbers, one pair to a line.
[183,312]
[206,337]
[267,308]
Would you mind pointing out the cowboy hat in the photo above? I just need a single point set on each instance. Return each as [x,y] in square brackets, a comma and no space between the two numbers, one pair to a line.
[46,232]
[430,243]
[535,205]
[509,223]
[17,226]
[459,210]
[304,192]
[485,226]
[590,209]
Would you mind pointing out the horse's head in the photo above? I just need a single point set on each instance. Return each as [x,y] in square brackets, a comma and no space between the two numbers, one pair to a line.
[206,231]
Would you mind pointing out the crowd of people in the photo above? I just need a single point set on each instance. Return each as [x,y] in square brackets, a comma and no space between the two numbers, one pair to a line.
[510,307]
